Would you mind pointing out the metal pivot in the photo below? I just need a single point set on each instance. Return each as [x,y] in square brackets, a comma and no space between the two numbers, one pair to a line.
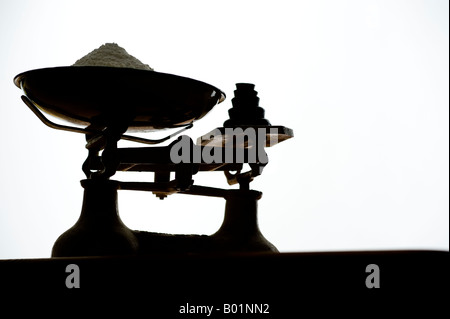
[108,142]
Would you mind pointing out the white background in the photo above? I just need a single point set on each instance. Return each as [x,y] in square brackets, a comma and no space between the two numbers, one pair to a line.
[363,84]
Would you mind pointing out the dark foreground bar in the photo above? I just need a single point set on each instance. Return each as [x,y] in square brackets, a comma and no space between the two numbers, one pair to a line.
[257,285]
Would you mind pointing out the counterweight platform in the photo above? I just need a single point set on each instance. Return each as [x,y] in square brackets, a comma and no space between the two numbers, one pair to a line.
[287,285]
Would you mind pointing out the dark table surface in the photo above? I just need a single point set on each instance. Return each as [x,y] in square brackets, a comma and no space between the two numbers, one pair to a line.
[254,285]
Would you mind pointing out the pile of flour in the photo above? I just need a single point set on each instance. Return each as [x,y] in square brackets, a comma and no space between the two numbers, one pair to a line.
[112,55]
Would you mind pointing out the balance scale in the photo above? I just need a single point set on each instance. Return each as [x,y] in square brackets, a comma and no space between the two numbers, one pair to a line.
[106,104]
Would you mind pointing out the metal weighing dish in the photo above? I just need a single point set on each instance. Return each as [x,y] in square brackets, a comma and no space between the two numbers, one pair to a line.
[106,96]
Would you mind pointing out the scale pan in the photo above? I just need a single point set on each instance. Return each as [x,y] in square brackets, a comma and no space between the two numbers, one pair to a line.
[104,96]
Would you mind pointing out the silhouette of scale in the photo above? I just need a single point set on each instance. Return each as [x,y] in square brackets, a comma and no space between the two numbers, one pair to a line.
[107,103]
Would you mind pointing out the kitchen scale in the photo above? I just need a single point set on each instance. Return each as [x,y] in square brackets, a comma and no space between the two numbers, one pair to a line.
[108,104]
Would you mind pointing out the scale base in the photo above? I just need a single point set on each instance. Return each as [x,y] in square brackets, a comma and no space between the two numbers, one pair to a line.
[99,230]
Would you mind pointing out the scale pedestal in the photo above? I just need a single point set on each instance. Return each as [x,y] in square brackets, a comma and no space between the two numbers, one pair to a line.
[240,231]
[99,230]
